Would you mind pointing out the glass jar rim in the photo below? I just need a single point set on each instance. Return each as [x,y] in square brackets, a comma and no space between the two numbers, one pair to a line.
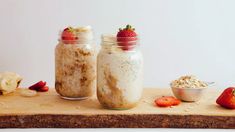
[80,39]
[80,42]
[110,38]
[89,35]
[110,41]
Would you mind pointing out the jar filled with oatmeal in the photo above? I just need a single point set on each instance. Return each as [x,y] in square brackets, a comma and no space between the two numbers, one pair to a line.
[75,64]
[119,71]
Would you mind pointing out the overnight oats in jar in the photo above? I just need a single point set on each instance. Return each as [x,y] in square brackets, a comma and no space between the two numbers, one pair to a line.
[75,64]
[120,70]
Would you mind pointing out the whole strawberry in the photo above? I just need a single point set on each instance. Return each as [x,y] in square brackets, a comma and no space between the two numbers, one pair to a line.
[127,37]
[69,36]
[227,98]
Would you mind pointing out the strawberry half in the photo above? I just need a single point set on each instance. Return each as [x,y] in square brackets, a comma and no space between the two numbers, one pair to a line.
[44,89]
[127,37]
[167,101]
[227,98]
[69,36]
[37,85]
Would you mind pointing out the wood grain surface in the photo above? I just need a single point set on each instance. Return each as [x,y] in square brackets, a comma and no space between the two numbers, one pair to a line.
[48,110]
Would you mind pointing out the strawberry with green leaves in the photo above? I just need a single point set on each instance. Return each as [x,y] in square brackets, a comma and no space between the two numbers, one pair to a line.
[227,98]
[127,37]
[69,36]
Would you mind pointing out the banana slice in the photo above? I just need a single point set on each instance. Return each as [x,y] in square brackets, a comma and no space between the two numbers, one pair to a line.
[9,81]
[28,93]
[7,85]
[83,29]
[17,77]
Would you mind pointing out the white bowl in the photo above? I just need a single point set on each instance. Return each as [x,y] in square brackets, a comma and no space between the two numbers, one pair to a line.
[190,94]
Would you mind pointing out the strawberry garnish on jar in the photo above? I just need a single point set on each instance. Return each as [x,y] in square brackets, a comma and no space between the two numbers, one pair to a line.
[69,36]
[126,38]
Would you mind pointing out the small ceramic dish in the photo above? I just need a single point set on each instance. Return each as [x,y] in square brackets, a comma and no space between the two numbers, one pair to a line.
[190,94]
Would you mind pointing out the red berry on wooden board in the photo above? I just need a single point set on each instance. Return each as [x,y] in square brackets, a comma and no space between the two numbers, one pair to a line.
[167,101]
[37,85]
[176,102]
[227,98]
[44,89]
[127,37]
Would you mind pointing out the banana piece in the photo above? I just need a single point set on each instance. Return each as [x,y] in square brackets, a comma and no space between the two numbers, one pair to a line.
[28,93]
[9,81]
[83,29]
[17,77]
[7,84]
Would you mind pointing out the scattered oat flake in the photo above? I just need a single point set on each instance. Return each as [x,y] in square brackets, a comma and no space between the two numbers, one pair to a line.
[145,101]
[46,105]
[3,105]
[172,106]
[190,107]
[77,107]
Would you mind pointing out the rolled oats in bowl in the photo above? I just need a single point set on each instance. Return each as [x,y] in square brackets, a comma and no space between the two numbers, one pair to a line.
[188,81]
[189,88]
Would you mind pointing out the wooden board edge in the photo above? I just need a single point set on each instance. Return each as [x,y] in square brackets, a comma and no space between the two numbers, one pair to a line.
[116,121]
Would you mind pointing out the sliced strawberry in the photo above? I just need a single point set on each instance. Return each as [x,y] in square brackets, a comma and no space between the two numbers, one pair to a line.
[44,89]
[164,102]
[167,101]
[126,38]
[37,85]
[68,36]
[176,102]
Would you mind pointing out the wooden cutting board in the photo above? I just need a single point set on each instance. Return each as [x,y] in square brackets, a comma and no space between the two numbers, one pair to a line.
[48,110]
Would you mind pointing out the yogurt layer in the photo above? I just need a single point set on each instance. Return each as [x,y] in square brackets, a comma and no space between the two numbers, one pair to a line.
[119,77]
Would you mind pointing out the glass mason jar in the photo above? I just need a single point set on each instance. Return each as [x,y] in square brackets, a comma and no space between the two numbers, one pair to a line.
[119,74]
[75,68]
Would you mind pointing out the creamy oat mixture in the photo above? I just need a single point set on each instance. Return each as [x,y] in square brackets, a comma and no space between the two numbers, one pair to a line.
[119,77]
[188,82]
[75,66]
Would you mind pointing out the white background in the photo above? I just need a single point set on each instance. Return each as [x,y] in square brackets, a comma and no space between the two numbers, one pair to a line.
[177,36]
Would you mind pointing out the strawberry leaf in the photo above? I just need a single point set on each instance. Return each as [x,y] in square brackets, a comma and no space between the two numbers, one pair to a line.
[233,92]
